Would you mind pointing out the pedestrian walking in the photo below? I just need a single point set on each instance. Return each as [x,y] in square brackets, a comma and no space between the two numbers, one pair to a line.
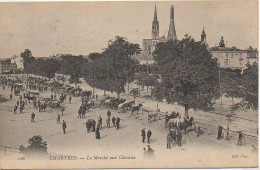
[149,134]
[58,119]
[108,121]
[169,141]
[64,126]
[32,117]
[143,135]
[62,110]
[117,123]
[11,96]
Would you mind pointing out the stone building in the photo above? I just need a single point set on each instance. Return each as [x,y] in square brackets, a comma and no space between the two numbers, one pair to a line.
[7,67]
[233,58]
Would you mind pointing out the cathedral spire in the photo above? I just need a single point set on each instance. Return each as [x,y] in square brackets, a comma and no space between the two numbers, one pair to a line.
[155,13]
[203,37]
[155,25]
[172,33]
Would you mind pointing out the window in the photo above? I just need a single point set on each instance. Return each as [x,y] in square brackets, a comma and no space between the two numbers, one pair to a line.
[226,62]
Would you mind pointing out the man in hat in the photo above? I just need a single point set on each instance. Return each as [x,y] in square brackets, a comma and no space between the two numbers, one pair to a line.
[169,141]
[179,138]
[143,134]
[149,134]
[64,126]
[219,132]
[117,123]
[240,137]
[32,117]
[58,119]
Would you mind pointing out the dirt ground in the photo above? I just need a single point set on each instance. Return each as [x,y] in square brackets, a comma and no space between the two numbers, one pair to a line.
[16,129]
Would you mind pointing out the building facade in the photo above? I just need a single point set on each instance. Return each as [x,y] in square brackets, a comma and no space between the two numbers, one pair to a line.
[234,58]
[7,67]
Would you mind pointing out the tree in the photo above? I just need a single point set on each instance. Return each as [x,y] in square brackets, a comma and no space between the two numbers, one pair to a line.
[72,65]
[158,92]
[229,84]
[36,147]
[249,87]
[27,58]
[189,73]
[114,67]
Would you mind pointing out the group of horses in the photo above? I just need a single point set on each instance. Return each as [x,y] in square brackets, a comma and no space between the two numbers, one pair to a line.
[176,121]
[111,102]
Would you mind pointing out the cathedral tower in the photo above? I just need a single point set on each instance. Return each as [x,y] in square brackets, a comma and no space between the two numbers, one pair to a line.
[203,37]
[172,32]
[155,26]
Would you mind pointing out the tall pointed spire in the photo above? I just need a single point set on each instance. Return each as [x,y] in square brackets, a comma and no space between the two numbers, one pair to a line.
[155,25]
[203,37]
[155,13]
[172,33]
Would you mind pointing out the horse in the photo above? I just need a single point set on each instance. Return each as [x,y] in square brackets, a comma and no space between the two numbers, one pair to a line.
[136,108]
[89,124]
[125,105]
[153,115]
[173,115]
[29,98]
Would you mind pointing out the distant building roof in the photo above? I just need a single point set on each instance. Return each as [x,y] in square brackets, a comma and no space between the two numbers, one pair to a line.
[224,49]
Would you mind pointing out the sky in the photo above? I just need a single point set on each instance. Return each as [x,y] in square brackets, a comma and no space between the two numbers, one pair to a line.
[48,28]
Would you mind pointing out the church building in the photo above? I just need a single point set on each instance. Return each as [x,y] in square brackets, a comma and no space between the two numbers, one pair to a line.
[149,44]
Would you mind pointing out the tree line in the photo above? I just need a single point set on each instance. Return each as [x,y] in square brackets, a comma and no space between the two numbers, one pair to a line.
[184,72]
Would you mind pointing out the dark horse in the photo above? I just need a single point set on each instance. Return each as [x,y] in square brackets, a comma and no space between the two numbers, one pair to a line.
[136,108]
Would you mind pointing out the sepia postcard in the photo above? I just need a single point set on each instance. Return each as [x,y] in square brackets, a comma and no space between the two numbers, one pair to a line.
[129,84]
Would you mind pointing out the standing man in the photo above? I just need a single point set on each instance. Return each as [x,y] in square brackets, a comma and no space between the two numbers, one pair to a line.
[100,122]
[93,125]
[114,121]
[15,108]
[179,138]
[64,126]
[62,110]
[108,121]
[117,123]
[32,117]
[58,119]
[108,113]
[169,141]
[240,137]
[11,96]
[219,132]
[70,100]
[97,134]
[149,134]
[143,135]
